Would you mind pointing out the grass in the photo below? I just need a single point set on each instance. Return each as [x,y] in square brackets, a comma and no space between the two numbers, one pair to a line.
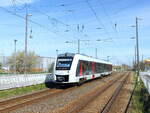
[2,72]
[20,91]
[140,100]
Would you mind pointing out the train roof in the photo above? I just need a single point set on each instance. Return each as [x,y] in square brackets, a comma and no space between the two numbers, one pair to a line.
[84,57]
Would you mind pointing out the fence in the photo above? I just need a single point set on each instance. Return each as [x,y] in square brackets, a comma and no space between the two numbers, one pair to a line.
[145,76]
[21,80]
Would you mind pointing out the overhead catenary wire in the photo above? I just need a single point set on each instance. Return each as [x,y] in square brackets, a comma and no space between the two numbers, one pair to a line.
[67,27]
[73,3]
[14,5]
[114,27]
[100,22]
[25,7]
[49,17]
[36,23]
[125,8]
[97,18]
[64,4]
[107,15]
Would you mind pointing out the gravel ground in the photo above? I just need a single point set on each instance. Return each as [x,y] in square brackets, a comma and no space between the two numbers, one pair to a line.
[59,101]
[121,102]
[98,104]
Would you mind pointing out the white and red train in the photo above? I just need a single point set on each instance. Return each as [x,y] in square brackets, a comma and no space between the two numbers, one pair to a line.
[77,68]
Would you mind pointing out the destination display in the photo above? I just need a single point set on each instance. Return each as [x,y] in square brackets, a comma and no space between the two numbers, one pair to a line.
[69,59]
[64,63]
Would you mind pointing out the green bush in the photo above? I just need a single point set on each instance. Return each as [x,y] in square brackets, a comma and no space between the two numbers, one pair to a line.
[140,100]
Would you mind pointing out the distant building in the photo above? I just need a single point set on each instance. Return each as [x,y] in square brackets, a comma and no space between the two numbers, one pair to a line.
[45,62]
[117,68]
[3,61]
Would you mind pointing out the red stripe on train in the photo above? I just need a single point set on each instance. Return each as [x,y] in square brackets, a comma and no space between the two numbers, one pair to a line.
[81,69]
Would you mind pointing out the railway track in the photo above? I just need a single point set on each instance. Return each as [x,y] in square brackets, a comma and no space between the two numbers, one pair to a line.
[15,103]
[108,101]
[29,99]
[109,104]
[74,107]
[81,103]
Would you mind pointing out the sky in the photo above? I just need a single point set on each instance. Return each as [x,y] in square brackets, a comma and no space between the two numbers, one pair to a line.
[53,22]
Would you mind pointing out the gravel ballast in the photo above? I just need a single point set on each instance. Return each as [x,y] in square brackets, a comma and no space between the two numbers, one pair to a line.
[52,104]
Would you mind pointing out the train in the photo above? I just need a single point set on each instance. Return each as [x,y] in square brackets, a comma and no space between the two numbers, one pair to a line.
[77,68]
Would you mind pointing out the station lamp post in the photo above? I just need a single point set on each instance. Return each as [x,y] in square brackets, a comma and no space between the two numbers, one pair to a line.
[135,54]
[137,45]
[26,41]
[15,42]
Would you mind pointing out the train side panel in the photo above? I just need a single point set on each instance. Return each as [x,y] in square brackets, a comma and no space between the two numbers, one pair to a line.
[82,68]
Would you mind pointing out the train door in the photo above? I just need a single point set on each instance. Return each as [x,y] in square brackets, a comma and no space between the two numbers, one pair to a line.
[93,70]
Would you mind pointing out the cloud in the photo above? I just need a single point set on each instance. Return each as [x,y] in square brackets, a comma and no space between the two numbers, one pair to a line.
[6,3]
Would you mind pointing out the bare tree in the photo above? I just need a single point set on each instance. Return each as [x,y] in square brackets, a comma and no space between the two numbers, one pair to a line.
[31,60]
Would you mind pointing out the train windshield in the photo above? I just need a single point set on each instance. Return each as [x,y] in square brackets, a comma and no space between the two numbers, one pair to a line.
[64,63]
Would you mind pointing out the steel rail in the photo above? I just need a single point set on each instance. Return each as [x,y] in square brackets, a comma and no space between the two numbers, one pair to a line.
[22,101]
[82,104]
[133,91]
[13,106]
[114,96]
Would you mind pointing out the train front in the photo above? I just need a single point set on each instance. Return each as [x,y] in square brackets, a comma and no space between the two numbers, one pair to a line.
[62,68]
